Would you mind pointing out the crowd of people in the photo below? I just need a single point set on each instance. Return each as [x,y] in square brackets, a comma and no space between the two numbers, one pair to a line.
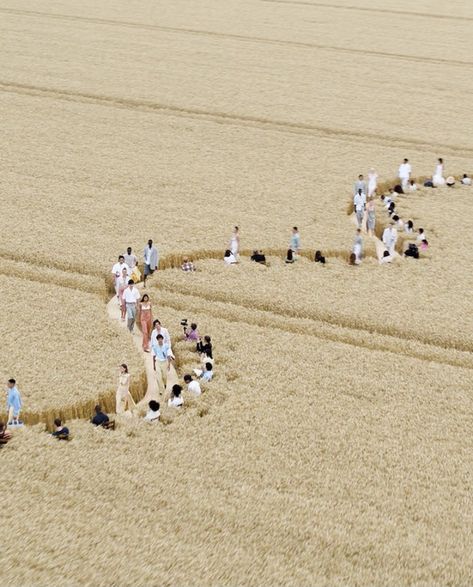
[364,208]
[137,308]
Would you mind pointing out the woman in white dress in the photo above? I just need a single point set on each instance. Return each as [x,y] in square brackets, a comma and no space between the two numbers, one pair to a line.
[124,400]
[235,242]
[372,182]
[438,178]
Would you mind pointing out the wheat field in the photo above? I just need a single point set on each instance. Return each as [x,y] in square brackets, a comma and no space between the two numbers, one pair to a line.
[333,446]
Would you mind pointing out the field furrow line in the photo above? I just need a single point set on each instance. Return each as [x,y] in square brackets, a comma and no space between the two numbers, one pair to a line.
[237,37]
[235,312]
[381,11]
[242,120]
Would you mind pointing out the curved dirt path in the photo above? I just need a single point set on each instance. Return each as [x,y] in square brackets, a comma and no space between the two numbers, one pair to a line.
[154,390]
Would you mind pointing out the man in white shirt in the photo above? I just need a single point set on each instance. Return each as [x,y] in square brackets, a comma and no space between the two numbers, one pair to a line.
[151,260]
[175,401]
[193,387]
[405,171]
[131,295]
[359,203]
[158,329]
[117,270]
[390,238]
[466,180]
[130,259]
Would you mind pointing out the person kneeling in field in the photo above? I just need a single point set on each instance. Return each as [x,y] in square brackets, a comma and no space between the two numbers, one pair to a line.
[175,401]
[61,432]
[206,373]
[229,258]
[258,257]
[101,419]
[193,387]
[153,413]
[319,258]
[5,435]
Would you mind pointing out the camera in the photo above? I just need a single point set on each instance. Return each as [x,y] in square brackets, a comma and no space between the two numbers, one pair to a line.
[184,322]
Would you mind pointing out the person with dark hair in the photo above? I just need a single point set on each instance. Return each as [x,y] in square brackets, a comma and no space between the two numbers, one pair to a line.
[319,258]
[421,236]
[409,227]
[438,179]
[398,221]
[289,256]
[386,258]
[191,334]
[392,207]
[208,372]
[229,258]
[101,419]
[360,184]
[205,347]
[405,171]
[130,259]
[5,435]
[398,189]
[14,403]
[466,180]
[193,386]
[131,295]
[176,401]
[258,257]
[412,251]
[352,260]
[145,315]
[153,413]
[412,186]
[61,432]
[163,357]
[124,400]
[117,271]
[158,328]
[151,260]
[359,205]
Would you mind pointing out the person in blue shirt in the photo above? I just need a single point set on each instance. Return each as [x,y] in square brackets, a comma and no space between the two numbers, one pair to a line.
[208,372]
[13,403]
[162,355]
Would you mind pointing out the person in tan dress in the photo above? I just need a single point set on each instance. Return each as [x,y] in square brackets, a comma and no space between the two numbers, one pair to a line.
[125,401]
[146,320]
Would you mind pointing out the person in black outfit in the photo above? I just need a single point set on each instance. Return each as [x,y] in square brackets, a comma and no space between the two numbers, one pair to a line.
[258,257]
[101,419]
[205,347]
[61,432]
[319,258]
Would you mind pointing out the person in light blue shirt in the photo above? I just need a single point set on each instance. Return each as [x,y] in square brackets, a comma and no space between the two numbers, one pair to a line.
[295,244]
[208,372]
[162,355]
[13,403]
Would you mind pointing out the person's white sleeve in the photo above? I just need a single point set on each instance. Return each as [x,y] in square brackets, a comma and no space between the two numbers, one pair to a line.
[170,354]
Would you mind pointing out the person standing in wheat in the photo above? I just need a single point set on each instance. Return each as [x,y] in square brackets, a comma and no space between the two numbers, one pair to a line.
[235,242]
[372,182]
[146,321]
[124,400]
[370,217]
[151,260]
[295,244]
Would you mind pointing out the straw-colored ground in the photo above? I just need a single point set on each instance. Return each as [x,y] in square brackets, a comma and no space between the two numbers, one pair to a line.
[334,445]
